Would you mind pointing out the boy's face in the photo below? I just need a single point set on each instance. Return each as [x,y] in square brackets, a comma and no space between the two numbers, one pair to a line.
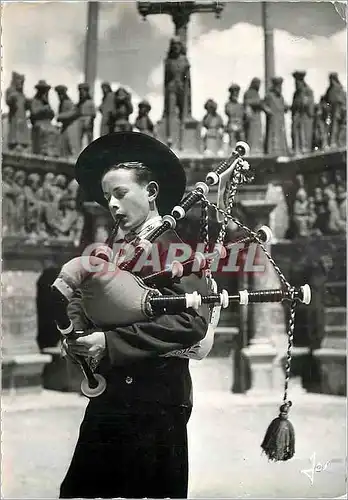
[126,197]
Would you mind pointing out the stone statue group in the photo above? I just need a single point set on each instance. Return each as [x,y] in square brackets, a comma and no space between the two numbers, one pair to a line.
[76,120]
[314,126]
[320,209]
[40,206]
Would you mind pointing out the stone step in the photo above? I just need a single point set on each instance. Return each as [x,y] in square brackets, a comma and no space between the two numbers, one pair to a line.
[23,371]
[335,316]
[336,343]
[336,330]
[336,337]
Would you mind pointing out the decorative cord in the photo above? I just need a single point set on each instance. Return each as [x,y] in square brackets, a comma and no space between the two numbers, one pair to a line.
[232,191]
[204,226]
[290,290]
[256,238]
[290,333]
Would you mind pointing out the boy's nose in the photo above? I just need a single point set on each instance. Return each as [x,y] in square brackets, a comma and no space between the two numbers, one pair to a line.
[113,203]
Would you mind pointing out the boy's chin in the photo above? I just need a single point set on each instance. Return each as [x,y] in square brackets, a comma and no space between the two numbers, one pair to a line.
[127,226]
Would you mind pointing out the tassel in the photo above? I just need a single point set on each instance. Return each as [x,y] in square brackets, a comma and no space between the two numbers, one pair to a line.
[279,440]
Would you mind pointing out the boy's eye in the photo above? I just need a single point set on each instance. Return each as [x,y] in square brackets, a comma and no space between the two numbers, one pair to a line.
[120,193]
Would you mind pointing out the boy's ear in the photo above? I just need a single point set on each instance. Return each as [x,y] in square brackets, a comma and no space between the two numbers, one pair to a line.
[152,189]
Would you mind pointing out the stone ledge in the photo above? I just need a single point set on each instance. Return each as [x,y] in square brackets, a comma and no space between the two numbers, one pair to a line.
[23,371]
[30,359]
[327,352]
[18,359]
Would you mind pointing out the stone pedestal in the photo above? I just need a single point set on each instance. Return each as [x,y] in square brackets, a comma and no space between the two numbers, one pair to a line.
[266,320]
[162,132]
[191,137]
[185,138]
[22,361]
[261,355]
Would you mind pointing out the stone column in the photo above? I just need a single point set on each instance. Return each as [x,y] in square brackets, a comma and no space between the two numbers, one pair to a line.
[266,319]
[268,44]
[91,45]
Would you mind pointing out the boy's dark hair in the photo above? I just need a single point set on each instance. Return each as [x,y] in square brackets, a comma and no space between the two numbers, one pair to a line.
[142,173]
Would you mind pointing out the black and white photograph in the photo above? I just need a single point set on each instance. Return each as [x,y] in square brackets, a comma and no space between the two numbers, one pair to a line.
[173,228]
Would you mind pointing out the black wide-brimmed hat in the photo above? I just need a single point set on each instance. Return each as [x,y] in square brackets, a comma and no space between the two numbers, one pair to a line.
[121,147]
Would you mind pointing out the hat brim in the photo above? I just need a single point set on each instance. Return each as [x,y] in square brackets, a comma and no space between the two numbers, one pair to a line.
[119,147]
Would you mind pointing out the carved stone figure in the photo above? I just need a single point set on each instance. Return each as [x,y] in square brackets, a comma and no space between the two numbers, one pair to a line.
[107,109]
[335,98]
[33,204]
[123,109]
[59,185]
[301,214]
[334,223]
[302,114]
[48,187]
[177,89]
[48,207]
[72,189]
[45,138]
[19,105]
[87,114]
[71,222]
[276,142]
[8,201]
[214,128]
[19,196]
[321,211]
[143,122]
[312,216]
[235,113]
[54,215]
[68,116]
[253,106]
[320,129]
[342,206]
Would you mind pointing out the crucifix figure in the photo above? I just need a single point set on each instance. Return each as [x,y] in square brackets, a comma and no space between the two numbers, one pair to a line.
[178,122]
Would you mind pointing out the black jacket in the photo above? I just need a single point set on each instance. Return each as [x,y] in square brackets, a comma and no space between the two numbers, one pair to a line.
[136,373]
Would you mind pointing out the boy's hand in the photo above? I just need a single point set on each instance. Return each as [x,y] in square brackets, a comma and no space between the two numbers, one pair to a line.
[88,346]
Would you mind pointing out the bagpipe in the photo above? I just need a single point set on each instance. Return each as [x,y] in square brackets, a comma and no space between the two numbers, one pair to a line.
[120,297]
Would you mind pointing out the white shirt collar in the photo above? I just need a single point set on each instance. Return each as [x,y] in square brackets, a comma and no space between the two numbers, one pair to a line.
[145,229]
[148,226]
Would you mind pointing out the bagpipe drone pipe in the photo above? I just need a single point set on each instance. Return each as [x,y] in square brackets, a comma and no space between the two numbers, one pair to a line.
[119,297]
